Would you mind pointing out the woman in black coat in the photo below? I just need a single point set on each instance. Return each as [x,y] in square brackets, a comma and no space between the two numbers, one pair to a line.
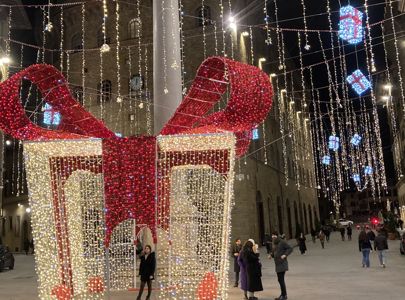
[301,243]
[253,270]
[147,270]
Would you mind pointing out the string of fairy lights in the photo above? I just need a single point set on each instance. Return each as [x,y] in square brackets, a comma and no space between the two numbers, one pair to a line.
[291,100]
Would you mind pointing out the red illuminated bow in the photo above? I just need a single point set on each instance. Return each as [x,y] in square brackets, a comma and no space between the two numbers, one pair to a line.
[129,163]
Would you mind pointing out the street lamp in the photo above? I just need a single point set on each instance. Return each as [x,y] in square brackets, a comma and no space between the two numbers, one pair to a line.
[245,34]
[232,23]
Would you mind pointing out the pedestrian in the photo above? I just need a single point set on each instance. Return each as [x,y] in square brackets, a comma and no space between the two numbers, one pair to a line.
[253,268]
[327,233]
[32,246]
[401,224]
[301,244]
[349,232]
[147,270]
[370,234]
[381,246]
[26,246]
[313,235]
[322,238]
[342,233]
[243,272]
[281,250]
[236,248]
[365,248]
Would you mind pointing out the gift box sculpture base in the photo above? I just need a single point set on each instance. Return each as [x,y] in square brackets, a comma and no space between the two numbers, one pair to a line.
[93,194]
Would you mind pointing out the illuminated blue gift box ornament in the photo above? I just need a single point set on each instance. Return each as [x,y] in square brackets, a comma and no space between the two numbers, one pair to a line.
[51,117]
[356,178]
[351,24]
[255,134]
[368,170]
[359,82]
[334,143]
[326,160]
[356,139]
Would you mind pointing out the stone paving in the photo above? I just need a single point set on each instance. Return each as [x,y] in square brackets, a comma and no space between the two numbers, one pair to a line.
[334,273]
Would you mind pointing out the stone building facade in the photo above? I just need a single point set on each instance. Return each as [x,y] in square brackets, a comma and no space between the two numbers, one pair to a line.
[263,201]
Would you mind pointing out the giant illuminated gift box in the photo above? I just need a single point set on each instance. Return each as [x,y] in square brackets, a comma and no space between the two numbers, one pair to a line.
[92,193]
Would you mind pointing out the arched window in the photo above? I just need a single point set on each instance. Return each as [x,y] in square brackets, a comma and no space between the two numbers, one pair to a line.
[100,38]
[104,91]
[203,14]
[77,43]
[135,28]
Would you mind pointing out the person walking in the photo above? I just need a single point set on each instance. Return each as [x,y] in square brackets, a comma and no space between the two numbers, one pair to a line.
[401,224]
[322,238]
[301,244]
[365,248]
[327,233]
[280,252]
[236,248]
[147,271]
[349,232]
[253,268]
[26,246]
[342,233]
[381,246]
[313,235]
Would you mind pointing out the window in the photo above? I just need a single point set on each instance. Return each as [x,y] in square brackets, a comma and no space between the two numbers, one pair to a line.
[51,117]
[104,91]
[100,38]
[135,28]
[77,42]
[204,16]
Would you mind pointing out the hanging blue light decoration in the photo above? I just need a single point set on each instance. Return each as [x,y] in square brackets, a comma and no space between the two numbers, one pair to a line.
[359,82]
[326,160]
[356,178]
[255,134]
[356,139]
[51,117]
[351,25]
[368,170]
[334,143]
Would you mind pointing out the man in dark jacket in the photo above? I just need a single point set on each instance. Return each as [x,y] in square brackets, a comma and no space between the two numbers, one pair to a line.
[381,245]
[281,250]
[236,247]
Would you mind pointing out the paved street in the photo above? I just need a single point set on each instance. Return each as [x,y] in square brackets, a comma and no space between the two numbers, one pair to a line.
[334,273]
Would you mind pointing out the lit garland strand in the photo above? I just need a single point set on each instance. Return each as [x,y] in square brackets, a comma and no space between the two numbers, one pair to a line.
[43,34]
[221,14]
[7,43]
[282,111]
[182,47]
[380,175]
[307,46]
[203,29]
[83,54]
[303,98]
[391,109]
[266,19]
[175,64]
[165,90]
[67,66]
[370,41]
[252,55]
[62,33]
[117,30]
[139,33]
[131,98]
[215,38]
[148,100]
[230,33]
[100,91]
[278,32]
[399,66]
